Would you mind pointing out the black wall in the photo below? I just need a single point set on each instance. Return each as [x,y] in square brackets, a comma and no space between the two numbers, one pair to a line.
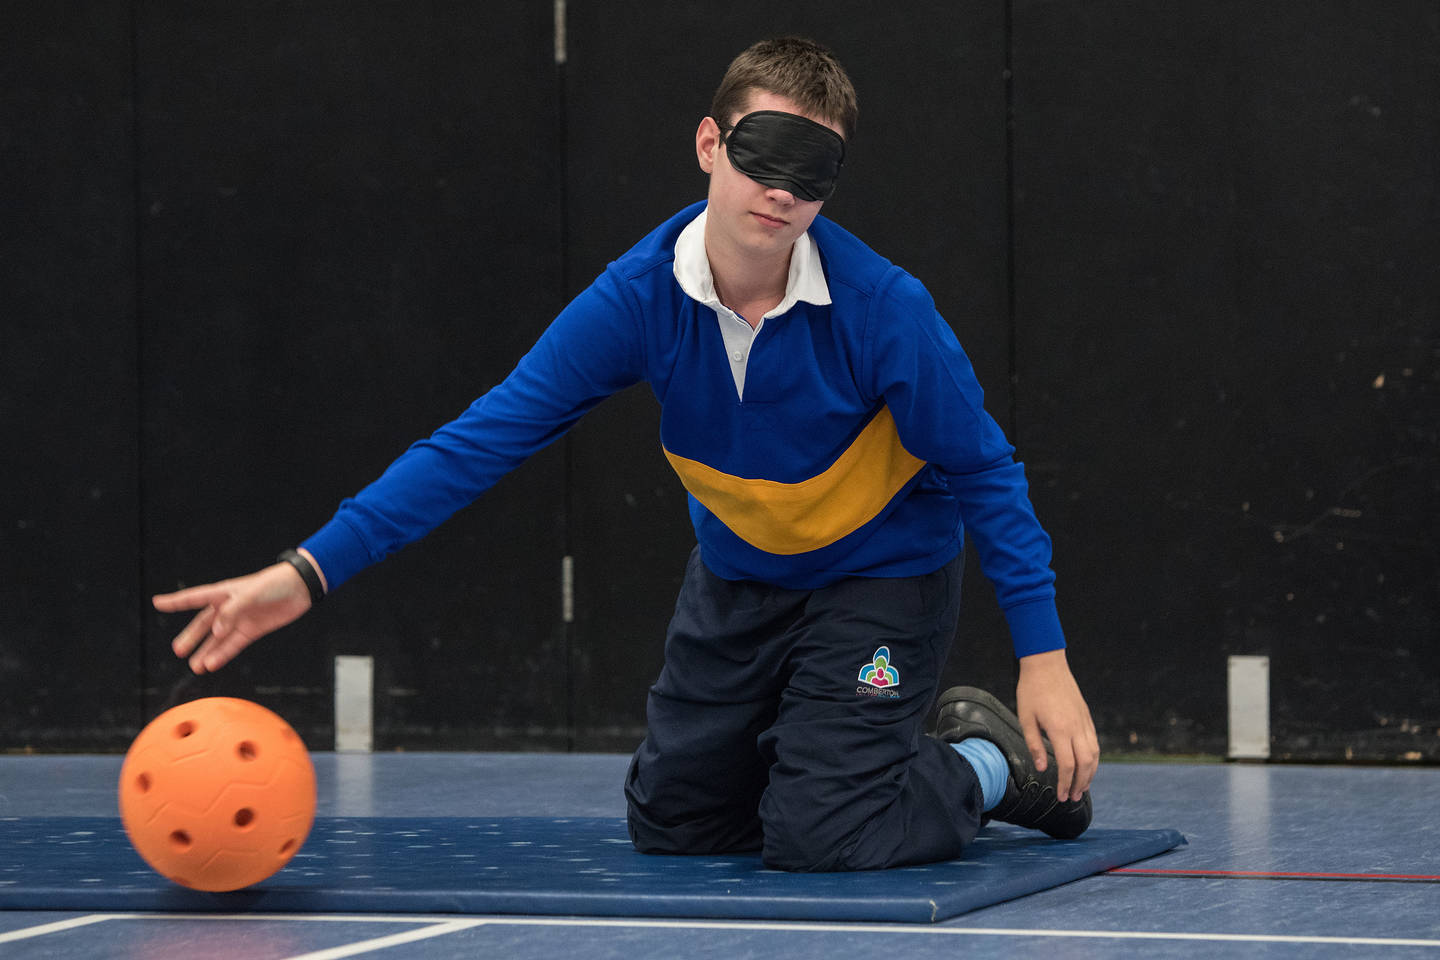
[70,639]
[248,255]
[1228,316]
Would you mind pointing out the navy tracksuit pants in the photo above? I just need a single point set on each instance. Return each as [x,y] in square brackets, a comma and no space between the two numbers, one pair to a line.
[775,725]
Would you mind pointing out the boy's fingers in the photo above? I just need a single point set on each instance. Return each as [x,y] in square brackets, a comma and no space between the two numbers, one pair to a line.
[217,652]
[193,633]
[191,598]
[1065,768]
[234,608]
[206,659]
[1032,740]
[1088,762]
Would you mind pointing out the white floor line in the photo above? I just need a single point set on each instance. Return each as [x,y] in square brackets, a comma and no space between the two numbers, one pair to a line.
[891,930]
[441,924]
[394,939]
[415,918]
[58,926]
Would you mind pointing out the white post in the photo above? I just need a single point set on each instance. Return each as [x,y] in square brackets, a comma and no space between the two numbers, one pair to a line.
[1249,708]
[354,694]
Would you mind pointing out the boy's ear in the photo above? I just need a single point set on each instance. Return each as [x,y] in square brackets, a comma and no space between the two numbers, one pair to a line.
[707,144]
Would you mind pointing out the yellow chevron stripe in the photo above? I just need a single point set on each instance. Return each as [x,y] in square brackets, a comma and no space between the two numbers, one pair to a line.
[791,518]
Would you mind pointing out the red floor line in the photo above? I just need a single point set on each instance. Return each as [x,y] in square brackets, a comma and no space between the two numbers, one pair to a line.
[1277,875]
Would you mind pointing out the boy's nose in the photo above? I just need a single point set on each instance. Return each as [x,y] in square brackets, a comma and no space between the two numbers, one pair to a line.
[783,197]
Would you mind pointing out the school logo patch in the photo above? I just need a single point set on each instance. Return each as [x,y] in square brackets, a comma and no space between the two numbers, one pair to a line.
[880,676]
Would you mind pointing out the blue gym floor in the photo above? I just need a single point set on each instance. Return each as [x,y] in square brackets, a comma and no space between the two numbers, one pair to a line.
[1377,827]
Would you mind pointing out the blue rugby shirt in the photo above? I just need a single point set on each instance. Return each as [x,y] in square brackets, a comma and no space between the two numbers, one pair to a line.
[861,446]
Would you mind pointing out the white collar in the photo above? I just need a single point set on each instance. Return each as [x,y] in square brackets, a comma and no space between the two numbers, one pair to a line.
[692,270]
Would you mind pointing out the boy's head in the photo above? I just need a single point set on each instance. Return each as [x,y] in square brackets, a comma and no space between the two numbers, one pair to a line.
[795,68]
[773,147]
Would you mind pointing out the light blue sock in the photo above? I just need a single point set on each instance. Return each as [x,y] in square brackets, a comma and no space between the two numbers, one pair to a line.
[990,767]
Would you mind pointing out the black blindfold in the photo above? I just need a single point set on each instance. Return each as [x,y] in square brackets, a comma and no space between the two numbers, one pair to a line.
[786,151]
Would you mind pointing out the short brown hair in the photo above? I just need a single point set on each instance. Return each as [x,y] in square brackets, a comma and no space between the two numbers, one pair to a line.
[795,68]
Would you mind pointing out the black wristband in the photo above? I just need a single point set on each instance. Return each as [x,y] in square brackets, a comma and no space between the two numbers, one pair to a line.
[307,573]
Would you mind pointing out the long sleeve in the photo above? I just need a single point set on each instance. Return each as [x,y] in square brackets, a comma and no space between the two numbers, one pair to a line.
[916,364]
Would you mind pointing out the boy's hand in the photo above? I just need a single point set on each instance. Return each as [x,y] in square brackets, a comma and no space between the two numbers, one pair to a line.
[234,614]
[1048,700]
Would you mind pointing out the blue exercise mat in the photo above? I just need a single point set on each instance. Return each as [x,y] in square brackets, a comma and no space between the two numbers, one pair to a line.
[524,865]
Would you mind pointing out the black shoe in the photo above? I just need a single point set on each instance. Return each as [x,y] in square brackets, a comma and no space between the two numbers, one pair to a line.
[1030,796]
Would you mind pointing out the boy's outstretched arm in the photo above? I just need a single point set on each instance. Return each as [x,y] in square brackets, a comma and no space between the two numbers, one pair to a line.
[235,613]
[1048,700]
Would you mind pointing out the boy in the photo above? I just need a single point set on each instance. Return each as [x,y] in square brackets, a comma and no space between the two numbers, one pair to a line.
[830,433]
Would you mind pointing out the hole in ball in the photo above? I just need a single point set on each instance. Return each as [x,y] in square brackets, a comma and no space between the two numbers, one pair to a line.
[286,847]
[142,783]
[180,839]
[247,750]
[184,729]
[244,817]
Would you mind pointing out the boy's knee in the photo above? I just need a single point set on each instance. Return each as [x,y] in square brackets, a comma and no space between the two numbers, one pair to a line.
[799,854]
[727,832]
[803,834]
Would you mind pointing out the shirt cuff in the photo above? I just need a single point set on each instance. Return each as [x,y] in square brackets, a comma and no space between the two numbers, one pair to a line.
[1035,627]
[339,551]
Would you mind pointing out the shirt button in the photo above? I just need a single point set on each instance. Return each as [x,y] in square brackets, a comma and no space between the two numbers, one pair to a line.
[738,355]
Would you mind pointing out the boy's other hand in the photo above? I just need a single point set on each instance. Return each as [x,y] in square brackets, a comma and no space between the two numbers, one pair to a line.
[1048,701]
[234,614]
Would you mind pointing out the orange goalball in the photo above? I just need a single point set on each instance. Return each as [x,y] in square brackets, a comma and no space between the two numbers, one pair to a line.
[217,793]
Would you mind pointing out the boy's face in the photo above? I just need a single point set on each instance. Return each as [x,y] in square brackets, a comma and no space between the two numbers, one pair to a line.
[752,219]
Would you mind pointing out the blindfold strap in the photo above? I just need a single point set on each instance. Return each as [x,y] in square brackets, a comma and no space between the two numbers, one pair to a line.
[788,152]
